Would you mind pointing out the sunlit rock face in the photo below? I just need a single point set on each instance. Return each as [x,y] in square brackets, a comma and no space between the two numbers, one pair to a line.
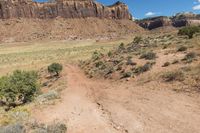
[62,8]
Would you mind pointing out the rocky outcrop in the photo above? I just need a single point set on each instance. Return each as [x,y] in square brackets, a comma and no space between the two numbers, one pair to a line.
[62,8]
[179,20]
[156,22]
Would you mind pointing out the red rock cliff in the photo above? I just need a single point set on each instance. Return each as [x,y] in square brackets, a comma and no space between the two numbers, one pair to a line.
[62,8]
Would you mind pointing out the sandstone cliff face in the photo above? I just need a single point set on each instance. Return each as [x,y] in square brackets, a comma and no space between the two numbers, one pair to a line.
[155,22]
[176,21]
[62,8]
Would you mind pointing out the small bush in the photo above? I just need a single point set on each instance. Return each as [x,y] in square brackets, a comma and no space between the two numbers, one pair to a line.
[175,61]
[189,31]
[44,98]
[18,88]
[13,128]
[52,128]
[130,62]
[181,49]
[145,68]
[137,39]
[55,68]
[173,76]
[121,47]
[189,57]
[100,65]
[127,75]
[109,54]
[166,64]
[96,55]
[148,56]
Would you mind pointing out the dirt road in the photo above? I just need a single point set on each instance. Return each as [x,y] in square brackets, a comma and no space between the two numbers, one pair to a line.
[95,106]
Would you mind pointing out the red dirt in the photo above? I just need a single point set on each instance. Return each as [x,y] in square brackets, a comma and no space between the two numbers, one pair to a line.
[96,106]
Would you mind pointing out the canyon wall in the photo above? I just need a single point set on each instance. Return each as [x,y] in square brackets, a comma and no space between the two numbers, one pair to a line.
[179,20]
[62,8]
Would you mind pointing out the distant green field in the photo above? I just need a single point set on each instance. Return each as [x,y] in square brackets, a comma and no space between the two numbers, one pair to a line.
[36,55]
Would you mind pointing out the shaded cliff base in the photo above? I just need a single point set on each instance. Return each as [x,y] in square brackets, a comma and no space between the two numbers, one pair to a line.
[17,30]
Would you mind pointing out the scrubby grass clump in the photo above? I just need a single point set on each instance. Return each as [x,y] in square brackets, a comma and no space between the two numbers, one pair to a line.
[173,76]
[189,57]
[166,64]
[148,56]
[34,128]
[189,31]
[18,88]
[137,39]
[141,69]
[181,49]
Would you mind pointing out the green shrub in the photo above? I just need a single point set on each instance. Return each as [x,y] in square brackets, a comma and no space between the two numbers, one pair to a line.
[121,47]
[127,75]
[189,31]
[96,55]
[181,49]
[100,65]
[145,68]
[55,68]
[18,88]
[166,64]
[173,76]
[137,39]
[148,56]
[109,54]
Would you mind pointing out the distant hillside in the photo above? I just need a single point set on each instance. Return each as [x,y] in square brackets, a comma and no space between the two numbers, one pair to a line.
[20,30]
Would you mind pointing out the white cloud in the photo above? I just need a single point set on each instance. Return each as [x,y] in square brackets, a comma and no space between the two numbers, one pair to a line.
[150,14]
[197,7]
[196,2]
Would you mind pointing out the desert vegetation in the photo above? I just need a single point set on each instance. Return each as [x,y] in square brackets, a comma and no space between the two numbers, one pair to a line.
[189,31]
[55,69]
[119,70]
[19,88]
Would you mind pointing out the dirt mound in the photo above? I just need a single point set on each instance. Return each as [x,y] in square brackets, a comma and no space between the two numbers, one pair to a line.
[13,30]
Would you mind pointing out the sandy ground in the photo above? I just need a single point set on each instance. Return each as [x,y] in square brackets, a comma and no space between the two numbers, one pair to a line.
[96,106]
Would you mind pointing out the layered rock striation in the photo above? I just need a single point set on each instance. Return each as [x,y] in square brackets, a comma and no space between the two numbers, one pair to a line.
[62,8]
[179,20]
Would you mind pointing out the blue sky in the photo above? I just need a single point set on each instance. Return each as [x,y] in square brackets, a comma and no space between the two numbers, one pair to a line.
[148,8]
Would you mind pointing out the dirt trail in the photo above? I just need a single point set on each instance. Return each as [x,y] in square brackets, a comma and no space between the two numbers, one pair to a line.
[77,108]
[89,106]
